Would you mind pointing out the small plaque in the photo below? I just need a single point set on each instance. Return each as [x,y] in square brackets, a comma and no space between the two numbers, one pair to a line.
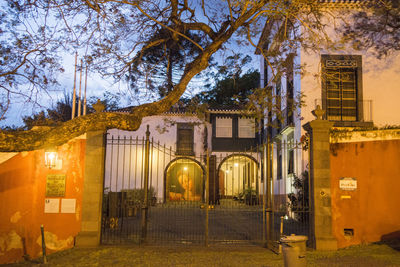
[348,184]
[51,205]
[68,205]
[55,185]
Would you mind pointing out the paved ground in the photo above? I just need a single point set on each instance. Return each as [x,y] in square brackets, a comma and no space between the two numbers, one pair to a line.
[230,221]
[365,255]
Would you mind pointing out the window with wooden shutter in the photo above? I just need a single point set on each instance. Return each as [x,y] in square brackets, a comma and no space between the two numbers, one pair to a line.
[223,127]
[246,128]
[185,142]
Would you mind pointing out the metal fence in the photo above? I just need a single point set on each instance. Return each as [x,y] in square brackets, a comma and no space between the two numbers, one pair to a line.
[290,194]
[202,199]
[190,199]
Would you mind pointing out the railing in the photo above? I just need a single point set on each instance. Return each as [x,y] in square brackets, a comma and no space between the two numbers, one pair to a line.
[363,111]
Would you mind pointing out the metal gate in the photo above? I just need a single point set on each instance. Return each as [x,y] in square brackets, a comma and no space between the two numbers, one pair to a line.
[218,198]
[290,190]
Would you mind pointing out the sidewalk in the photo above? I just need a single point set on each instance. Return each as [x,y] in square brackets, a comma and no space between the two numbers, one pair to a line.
[365,255]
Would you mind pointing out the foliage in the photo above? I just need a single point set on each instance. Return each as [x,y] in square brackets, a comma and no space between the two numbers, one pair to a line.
[231,90]
[28,53]
[161,63]
[63,109]
[299,200]
[248,196]
[135,197]
[115,37]
[376,26]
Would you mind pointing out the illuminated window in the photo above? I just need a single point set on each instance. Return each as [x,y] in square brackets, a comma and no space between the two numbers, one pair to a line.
[223,127]
[246,128]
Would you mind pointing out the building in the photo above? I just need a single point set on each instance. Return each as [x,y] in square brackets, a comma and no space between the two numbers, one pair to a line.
[354,87]
[179,144]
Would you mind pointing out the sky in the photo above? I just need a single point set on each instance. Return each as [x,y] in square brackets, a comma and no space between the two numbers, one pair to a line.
[96,85]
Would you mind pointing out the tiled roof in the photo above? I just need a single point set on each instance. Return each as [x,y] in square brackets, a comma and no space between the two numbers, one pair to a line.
[178,110]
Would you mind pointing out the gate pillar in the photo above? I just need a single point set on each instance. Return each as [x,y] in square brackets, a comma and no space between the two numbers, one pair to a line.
[320,183]
[92,190]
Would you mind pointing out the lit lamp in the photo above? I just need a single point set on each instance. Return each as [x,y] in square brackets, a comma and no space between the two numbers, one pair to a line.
[50,158]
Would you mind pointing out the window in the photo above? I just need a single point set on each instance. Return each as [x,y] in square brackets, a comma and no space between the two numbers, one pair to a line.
[289,97]
[246,128]
[279,162]
[291,161]
[290,146]
[279,167]
[184,142]
[223,127]
[278,98]
[341,87]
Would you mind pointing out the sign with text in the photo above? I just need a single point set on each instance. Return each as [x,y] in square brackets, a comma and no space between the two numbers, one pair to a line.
[348,184]
[55,185]
[68,205]
[51,205]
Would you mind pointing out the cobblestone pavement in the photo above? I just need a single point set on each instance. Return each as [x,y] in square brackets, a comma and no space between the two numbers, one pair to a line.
[364,255]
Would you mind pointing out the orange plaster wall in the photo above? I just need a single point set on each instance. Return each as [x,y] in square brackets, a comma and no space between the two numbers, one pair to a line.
[22,200]
[373,210]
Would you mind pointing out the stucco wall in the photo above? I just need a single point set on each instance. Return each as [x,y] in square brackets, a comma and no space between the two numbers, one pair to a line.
[22,202]
[380,77]
[163,129]
[372,210]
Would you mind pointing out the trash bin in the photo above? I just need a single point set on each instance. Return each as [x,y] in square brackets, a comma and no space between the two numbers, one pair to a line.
[294,250]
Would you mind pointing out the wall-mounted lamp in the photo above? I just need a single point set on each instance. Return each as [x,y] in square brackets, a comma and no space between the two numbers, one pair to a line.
[50,158]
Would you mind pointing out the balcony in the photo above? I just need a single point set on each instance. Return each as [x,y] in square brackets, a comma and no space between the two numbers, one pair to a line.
[346,113]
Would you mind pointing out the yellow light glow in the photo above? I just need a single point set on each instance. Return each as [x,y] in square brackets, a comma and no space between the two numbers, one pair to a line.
[50,159]
[236,164]
[185,168]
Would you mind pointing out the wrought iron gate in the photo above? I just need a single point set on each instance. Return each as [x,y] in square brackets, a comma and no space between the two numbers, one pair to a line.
[290,207]
[189,199]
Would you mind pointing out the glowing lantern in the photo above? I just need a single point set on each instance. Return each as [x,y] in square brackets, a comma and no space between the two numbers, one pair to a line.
[50,158]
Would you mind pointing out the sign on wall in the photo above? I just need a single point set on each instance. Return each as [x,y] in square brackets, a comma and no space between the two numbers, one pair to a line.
[51,205]
[348,184]
[55,185]
[68,205]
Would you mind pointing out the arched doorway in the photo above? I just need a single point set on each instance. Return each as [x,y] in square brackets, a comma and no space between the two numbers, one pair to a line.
[238,173]
[184,180]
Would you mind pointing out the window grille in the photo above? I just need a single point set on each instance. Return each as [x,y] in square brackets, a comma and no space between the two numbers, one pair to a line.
[184,142]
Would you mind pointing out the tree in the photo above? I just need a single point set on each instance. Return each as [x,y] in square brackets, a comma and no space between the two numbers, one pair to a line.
[231,90]
[63,109]
[377,26]
[28,54]
[157,66]
[115,35]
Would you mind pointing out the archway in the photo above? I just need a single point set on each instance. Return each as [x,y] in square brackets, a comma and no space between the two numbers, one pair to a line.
[238,173]
[184,180]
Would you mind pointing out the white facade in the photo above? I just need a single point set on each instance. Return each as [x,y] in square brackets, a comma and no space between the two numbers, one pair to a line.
[379,87]
[234,171]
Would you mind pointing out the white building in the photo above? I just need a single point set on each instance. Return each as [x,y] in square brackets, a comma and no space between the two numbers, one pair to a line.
[355,88]
[178,145]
